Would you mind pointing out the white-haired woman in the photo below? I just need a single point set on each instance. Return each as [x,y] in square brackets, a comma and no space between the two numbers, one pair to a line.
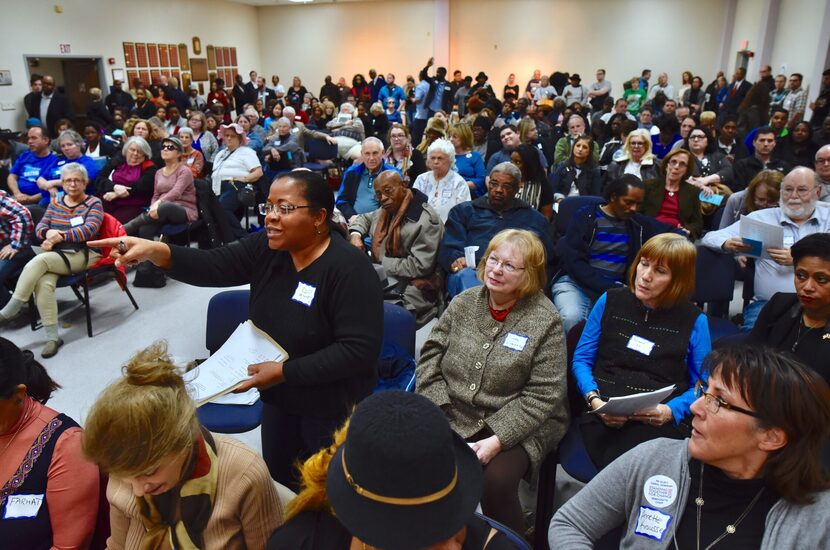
[126,182]
[347,129]
[71,145]
[442,185]
[637,158]
[69,221]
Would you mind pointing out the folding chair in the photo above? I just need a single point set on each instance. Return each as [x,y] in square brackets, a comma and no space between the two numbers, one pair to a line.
[225,311]
[398,333]
[518,541]
[714,280]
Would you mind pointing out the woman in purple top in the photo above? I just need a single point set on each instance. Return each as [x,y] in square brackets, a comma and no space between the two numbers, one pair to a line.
[126,182]
[174,195]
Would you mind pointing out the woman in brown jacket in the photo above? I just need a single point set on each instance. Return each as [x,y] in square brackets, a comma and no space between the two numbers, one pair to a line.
[495,364]
[671,199]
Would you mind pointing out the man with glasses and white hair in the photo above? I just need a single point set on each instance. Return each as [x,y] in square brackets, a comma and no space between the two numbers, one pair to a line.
[823,172]
[800,214]
[357,192]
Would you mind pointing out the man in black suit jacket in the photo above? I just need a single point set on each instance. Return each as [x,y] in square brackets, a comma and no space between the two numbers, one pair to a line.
[263,92]
[250,92]
[737,92]
[50,105]
[31,101]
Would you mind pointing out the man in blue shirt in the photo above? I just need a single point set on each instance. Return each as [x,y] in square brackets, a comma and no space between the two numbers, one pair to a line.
[391,90]
[357,192]
[36,162]
[421,112]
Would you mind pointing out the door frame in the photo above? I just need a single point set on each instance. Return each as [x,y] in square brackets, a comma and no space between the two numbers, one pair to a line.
[102,71]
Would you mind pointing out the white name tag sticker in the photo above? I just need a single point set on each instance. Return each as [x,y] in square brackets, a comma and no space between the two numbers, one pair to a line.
[515,341]
[76,221]
[788,241]
[652,523]
[660,491]
[304,294]
[446,193]
[638,343]
[22,506]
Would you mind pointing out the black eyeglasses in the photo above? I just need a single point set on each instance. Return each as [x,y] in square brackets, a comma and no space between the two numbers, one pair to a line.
[714,403]
[169,147]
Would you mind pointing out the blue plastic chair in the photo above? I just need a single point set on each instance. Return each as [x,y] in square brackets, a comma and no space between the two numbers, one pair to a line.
[225,311]
[399,329]
[510,534]
[319,150]
[568,207]
[714,280]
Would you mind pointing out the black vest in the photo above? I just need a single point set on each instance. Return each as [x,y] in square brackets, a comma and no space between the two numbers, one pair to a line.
[31,478]
[622,371]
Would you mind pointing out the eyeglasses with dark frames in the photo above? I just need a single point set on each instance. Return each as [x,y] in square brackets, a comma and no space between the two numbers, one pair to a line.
[714,403]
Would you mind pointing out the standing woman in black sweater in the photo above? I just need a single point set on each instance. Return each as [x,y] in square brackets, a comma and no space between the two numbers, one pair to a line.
[313,293]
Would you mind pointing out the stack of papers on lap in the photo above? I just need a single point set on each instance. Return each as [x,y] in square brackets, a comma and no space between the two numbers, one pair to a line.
[222,372]
[629,404]
[760,236]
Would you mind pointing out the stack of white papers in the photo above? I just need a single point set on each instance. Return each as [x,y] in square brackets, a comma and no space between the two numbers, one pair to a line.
[760,236]
[629,404]
[222,372]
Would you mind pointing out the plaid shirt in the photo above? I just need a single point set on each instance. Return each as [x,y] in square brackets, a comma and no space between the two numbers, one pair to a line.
[15,223]
[795,102]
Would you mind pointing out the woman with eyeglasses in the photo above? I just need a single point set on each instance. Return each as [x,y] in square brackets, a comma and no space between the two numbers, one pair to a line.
[750,475]
[705,154]
[762,192]
[495,364]
[400,154]
[174,196]
[637,158]
[671,199]
[313,293]
[638,338]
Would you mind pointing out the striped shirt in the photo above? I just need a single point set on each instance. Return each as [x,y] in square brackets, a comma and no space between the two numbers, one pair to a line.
[609,251]
[15,223]
[79,223]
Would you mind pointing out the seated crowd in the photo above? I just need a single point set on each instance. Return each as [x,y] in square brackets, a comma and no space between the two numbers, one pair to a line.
[552,233]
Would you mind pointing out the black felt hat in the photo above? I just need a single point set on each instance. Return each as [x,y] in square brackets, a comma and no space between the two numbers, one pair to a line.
[403,479]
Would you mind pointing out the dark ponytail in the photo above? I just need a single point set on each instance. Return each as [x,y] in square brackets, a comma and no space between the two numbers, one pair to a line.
[20,367]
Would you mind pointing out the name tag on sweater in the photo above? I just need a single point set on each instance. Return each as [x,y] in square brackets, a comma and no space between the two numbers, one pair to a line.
[640,344]
[652,523]
[515,341]
[76,221]
[304,294]
[22,506]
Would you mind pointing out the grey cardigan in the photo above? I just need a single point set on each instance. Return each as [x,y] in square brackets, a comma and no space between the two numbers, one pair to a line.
[471,367]
[615,497]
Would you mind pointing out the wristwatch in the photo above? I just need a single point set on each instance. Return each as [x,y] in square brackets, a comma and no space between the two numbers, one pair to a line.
[590,396]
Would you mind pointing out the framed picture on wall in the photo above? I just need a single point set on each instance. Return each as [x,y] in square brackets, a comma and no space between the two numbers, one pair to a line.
[129,55]
[183,61]
[211,57]
[220,56]
[197,45]
[211,76]
[131,76]
[185,80]
[155,76]
[173,50]
[118,74]
[141,54]
[164,58]
[153,54]
[145,77]
[233,57]
[177,75]
[199,69]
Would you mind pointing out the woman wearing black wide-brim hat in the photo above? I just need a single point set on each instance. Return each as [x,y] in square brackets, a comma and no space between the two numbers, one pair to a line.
[397,478]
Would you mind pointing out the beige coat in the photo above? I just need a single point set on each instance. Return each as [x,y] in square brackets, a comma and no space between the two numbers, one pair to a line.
[469,370]
[245,512]
[421,233]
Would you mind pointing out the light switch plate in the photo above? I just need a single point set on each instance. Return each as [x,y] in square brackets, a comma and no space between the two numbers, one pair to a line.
[8,106]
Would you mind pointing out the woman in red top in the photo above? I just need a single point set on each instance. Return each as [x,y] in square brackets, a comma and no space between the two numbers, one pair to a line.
[671,198]
[217,95]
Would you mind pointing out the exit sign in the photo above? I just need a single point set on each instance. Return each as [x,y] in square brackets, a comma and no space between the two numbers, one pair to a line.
[66,48]
[744,44]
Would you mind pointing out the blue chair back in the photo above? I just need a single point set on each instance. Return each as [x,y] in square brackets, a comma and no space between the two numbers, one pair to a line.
[714,276]
[519,542]
[225,311]
[321,150]
[568,207]
[398,337]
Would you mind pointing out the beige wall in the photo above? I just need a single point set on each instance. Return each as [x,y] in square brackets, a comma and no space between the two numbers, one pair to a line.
[92,28]
[343,39]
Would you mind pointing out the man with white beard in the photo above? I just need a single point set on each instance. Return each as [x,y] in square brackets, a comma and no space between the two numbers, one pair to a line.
[800,214]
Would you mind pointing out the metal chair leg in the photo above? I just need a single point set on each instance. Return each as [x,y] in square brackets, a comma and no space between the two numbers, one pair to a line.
[545,493]
[86,305]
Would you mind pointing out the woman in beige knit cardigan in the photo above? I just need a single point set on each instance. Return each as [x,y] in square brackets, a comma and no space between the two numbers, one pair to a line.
[495,363]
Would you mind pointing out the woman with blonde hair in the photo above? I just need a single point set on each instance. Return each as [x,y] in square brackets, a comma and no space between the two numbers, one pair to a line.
[495,363]
[203,140]
[637,158]
[172,483]
[638,338]
[762,192]
[468,163]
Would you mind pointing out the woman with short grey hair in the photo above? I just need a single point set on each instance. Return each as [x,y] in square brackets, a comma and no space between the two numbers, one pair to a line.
[126,182]
[71,146]
[442,185]
[70,220]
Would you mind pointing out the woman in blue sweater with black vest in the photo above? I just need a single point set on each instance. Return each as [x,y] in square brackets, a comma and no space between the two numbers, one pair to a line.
[642,338]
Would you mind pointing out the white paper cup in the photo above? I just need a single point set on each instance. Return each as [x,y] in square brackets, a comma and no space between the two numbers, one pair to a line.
[470,255]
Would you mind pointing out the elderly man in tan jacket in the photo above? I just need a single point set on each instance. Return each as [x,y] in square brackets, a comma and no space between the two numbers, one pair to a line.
[405,232]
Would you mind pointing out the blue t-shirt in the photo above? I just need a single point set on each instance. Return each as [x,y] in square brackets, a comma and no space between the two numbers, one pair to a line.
[91,165]
[422,109]
[365,200]
[29,167]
